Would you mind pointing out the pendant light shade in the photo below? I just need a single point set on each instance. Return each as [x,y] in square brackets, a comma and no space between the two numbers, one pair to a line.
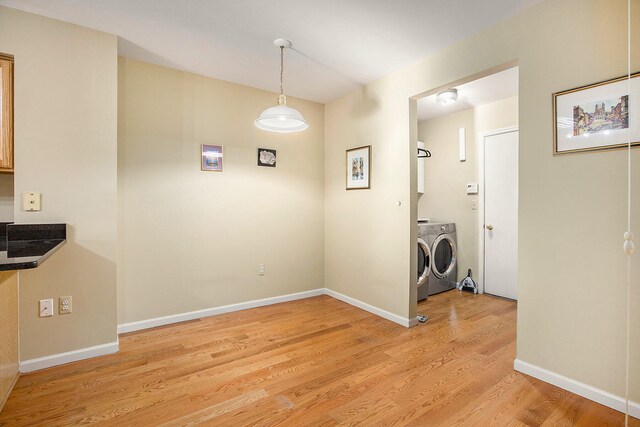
[281,118]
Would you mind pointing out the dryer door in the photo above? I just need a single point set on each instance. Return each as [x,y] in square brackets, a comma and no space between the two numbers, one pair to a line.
[444,256]
[424,262]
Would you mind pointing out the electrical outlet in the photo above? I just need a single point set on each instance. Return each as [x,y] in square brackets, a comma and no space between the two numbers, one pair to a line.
[260,269]
[45,308]
[64,305]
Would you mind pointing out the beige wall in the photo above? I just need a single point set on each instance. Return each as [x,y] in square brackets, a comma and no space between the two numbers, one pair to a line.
[6,197]
[190,240]
[571,309]
[65,147]
[445,197]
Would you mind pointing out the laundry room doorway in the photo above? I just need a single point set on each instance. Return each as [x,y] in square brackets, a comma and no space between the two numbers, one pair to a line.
[449,187]
[498,157]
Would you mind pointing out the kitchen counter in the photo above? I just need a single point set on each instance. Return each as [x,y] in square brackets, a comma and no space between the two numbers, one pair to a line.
[24,246]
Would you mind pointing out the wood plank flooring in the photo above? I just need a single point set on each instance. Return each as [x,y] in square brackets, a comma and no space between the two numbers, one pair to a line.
[313,362]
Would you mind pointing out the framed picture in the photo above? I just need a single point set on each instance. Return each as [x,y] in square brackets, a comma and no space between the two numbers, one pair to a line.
[601,116]
[359,168]
[266,157]
[211,158]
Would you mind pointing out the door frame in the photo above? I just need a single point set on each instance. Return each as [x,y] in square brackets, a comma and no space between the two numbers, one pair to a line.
[481,193]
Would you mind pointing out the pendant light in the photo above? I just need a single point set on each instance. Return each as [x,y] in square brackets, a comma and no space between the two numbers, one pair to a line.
[281,118]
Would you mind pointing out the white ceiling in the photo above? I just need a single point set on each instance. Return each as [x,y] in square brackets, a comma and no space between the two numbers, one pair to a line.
[339,44]
[489,89]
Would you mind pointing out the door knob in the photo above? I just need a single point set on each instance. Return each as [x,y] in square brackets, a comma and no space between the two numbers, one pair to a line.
[489,227]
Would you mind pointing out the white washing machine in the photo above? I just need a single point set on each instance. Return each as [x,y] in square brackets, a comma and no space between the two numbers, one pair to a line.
[441,241]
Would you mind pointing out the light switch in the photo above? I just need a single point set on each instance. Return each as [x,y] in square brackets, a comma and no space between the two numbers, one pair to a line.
[31,201]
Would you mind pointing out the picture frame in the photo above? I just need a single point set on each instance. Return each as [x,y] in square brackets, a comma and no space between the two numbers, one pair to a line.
[597,117]
[211,158]
[267,157]
[358,168]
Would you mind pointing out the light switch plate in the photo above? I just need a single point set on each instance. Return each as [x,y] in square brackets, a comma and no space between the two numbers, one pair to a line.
[45,308]
[31,201]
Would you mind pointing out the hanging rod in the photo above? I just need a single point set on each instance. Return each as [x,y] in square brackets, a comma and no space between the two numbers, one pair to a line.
[422,153]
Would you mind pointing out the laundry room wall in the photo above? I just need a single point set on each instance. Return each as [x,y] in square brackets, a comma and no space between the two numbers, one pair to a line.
[191,240]
[445,197]
[572,208]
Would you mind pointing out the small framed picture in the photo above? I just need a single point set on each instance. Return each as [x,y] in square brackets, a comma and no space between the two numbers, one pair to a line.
[359,168]
[600,116]
[266,157]
[211,158]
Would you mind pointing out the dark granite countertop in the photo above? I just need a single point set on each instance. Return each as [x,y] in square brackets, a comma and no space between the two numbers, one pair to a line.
[24,246]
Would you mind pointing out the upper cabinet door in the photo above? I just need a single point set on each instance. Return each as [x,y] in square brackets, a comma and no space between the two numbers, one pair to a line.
[6,118]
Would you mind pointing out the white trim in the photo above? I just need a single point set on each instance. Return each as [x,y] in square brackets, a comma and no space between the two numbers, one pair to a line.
[406,322]
[191,315]
[481,192]
[592,393]
[67,357]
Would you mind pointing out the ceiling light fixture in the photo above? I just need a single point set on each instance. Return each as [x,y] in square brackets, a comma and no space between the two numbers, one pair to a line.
[281,118]
[447,97]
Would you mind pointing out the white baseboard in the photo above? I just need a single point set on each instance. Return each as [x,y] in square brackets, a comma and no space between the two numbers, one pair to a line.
[67,357]
[406,322]
[191,315]
[592,393]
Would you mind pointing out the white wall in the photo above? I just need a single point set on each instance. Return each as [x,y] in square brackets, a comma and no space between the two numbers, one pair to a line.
[189,239]
[571,283]
[65,147]
[445,198]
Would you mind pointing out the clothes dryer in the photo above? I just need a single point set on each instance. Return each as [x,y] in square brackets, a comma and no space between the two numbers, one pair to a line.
[442,242]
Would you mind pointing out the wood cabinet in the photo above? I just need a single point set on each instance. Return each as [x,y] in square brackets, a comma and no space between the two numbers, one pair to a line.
[8,333]
[6,116]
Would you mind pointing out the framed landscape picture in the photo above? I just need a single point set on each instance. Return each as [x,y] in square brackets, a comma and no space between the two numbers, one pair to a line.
[211,158]
[597,117]
[359,168]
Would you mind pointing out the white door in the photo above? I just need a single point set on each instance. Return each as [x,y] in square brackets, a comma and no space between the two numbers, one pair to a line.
[501,214]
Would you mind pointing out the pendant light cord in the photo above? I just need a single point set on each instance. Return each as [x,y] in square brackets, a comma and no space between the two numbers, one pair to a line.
[281,70]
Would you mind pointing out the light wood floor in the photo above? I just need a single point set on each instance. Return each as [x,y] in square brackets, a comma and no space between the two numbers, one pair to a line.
[316,362]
